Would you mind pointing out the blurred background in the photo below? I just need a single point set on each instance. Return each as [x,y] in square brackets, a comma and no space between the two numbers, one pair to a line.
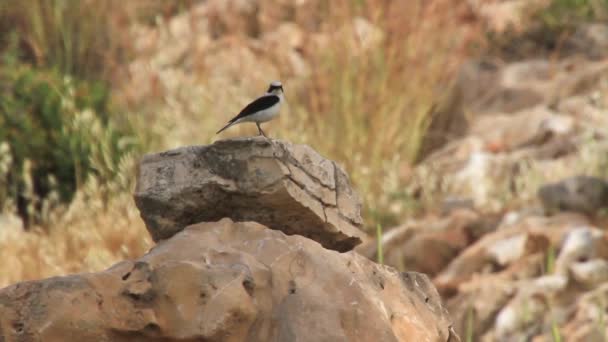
[434,108]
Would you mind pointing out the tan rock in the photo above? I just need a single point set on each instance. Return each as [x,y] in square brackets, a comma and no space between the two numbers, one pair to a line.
[590,273]
[506,251]
[580,244]
[227,281]
[525,128]
[287,187]
[582,194]
[502,15]
[529,236]
[408,246]
[589,319]
[590,39]
[476,311]
[490,88]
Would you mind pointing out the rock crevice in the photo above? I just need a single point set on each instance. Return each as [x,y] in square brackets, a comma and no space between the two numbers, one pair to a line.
[283,186]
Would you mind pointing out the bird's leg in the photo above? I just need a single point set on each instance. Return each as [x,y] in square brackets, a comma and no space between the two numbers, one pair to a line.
[260,130]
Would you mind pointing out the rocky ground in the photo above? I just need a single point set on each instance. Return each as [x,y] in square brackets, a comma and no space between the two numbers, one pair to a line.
[518,246]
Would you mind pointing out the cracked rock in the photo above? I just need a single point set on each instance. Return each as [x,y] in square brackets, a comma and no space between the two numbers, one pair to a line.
[227,281]
[281,185]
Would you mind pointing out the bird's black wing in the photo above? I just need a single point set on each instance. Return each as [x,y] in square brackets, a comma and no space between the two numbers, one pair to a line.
[259,104]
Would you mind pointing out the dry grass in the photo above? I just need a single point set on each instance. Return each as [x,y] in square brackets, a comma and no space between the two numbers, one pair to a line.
[90,237]
[83,38]
[365,107]
[368,108]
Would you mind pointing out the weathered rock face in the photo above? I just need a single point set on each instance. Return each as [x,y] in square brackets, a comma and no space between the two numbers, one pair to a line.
[510,277]
[582,194]
[283,186]
[556,136]
[227,281]
[429,245]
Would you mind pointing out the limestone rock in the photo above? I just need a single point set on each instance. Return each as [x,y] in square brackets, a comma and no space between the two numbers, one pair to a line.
[513,247]
[580,244]
[476,307]
[580,193]
[590,273]
[590,39]
[526,277]
[407,246]
[506,251]
[503,15]
[452,203]
[588,321]
[227,281]
[283,186]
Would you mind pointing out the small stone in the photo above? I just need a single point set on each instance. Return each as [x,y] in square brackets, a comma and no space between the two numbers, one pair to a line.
[508,250]
[452,203]
[590,273]
[582,194]
[579,245]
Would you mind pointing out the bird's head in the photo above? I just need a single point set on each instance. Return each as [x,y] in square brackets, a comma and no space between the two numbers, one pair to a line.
[275,88]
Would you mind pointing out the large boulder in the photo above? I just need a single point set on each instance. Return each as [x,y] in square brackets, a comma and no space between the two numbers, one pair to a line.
[283,186]
[227,281]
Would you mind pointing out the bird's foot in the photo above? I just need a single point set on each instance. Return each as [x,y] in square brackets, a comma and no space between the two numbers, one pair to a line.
[261,132]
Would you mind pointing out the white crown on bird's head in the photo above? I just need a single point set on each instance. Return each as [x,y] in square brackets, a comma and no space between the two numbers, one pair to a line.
[275,86]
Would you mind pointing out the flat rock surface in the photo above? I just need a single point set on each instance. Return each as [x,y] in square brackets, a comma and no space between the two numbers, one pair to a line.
[281,185]
[227,281]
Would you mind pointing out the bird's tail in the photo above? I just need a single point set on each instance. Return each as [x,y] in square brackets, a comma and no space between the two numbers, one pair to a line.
[223,128]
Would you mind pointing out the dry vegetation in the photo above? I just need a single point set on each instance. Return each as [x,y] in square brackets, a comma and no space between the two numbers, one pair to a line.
[369,110]
[90,237]
[365,109]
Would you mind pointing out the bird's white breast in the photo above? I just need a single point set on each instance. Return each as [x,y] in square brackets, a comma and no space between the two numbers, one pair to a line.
[264,115]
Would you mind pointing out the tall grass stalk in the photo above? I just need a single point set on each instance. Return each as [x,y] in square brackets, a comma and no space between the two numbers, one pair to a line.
[555,334]
[469,333]
[380,256]
[550,263]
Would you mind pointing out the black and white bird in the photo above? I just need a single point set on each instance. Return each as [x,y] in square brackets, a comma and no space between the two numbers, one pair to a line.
[263,109]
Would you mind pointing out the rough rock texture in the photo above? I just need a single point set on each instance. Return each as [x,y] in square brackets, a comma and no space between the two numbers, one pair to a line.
[283,186]
[511,276]
[408,246]
[227,281]
[581,194]
[536,125]
[516,138]
[590,39]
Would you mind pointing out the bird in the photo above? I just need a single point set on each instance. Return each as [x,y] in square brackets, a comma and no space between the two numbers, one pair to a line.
[262,109]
